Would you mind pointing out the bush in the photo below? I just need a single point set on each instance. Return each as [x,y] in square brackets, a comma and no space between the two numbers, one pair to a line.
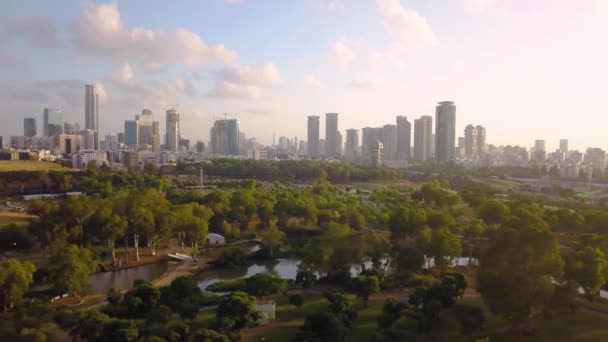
[471,318]
[232,257]
[296,300]
[230,285]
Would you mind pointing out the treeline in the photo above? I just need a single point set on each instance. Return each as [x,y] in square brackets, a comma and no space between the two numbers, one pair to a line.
[288,171]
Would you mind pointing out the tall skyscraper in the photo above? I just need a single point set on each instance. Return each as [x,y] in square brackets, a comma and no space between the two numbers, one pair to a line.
[389,142]
[71,128]
[91,108]
[314,148]
[172,135]
[404,138]
[29,127]
[445,131]
[369,140]
[351,148]
[423,138]
[146,127]
[470,142]
[481,140]
[331,136]
[540,151]
[52,122]
[563,146]
[225,137]
[132,133]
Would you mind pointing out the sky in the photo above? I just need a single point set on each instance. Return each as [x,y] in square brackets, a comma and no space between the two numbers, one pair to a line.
[524,69]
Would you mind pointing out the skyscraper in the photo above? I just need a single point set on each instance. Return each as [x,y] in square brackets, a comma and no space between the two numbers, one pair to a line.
[71,128]
[132,133]
[404,138]
[29,127]
[470,142]
[563,146]
[91,108]
[172,135]
[331,136]
[225,137]
[423,138]
[146,127]
[52,122]
[351,148]
[389,142]
[540,152]
[369,139]
[445,131]
[481,140]
[314,148]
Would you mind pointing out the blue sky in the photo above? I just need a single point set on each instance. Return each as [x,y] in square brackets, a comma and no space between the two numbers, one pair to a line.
[525,69]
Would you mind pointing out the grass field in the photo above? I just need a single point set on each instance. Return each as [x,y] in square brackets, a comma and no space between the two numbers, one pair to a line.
[20,219]
[29,165]
[582,326]
[500,184]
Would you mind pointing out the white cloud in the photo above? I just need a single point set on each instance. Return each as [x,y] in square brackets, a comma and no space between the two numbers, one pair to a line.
[407,26]
[123,77]
[311,81]
[11,62]
[372,84]
[379,59]
[100,31]
[245,82]
[477,7]
[38,31]
[343,54]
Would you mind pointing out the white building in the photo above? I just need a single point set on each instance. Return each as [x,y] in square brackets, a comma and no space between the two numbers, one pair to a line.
[82,158]
[214,239]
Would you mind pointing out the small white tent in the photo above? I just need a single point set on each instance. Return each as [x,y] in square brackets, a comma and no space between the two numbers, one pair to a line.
[214,239]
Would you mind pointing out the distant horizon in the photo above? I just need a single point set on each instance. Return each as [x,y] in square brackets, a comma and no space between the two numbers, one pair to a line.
[369,61]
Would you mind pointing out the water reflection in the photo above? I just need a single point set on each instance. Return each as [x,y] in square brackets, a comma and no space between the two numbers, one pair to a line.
[123,279]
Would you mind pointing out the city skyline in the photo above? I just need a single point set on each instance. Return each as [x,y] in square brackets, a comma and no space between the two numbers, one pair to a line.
[368,73]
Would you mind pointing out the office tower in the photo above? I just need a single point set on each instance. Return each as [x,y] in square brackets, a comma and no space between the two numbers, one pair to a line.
[314,145]
[404,138]
[470,142]
[200,147]
[52,122]
[369,139]
[423,138]
[29,127]
[172,136]
[351,148]
[1,142]
[132,133]
[331,136]
[445,131]
[91,108]
[71,128]
[389,142]
[111,142]
[225,137]
[121,137]
[563,146]
[146,128]
[481,140]
[460,148]
[184,145]
[539,154]
[88,139]
[376,154]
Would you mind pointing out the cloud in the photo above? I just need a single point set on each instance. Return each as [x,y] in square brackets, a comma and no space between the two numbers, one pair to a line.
[245,82]
[124,77]
[311,81]
[379,59]
[38,31]
[407,26]
[477,7]
[10,62]
[100,32]
[371,85]
[342,54]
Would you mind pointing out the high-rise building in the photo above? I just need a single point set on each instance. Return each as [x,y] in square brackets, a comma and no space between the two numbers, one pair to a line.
[389,141]
[89,138]
[331,136]
[351,148]
[563,146]
[121,137]
[52,122]
[29,127]
[481,140]
[423,138]
[172,136]
[470,142]
[91,108]
[314,146]
[132,133]
[200,147]
[369,139]
[540,153]
[71,128]
[225,137]
[445,131]
[146,128]
[404,138]
[111,142]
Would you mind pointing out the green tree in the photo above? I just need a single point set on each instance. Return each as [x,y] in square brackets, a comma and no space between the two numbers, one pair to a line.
[110,225]
[409,259]
[306,277]
[493,212]
[296,300]
[183,296]
[518,271]
[589,268]
[114,296]
[272,237]
[322,327]
[364,286]
[265,284]
[15,278]
[444,246]
[71,269]
[231,257]
[238,308]
[142,299]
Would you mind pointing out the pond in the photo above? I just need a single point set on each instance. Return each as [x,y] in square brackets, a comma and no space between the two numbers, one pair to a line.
[123,279]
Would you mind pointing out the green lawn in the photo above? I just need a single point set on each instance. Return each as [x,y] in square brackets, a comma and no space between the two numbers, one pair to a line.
[30,165]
